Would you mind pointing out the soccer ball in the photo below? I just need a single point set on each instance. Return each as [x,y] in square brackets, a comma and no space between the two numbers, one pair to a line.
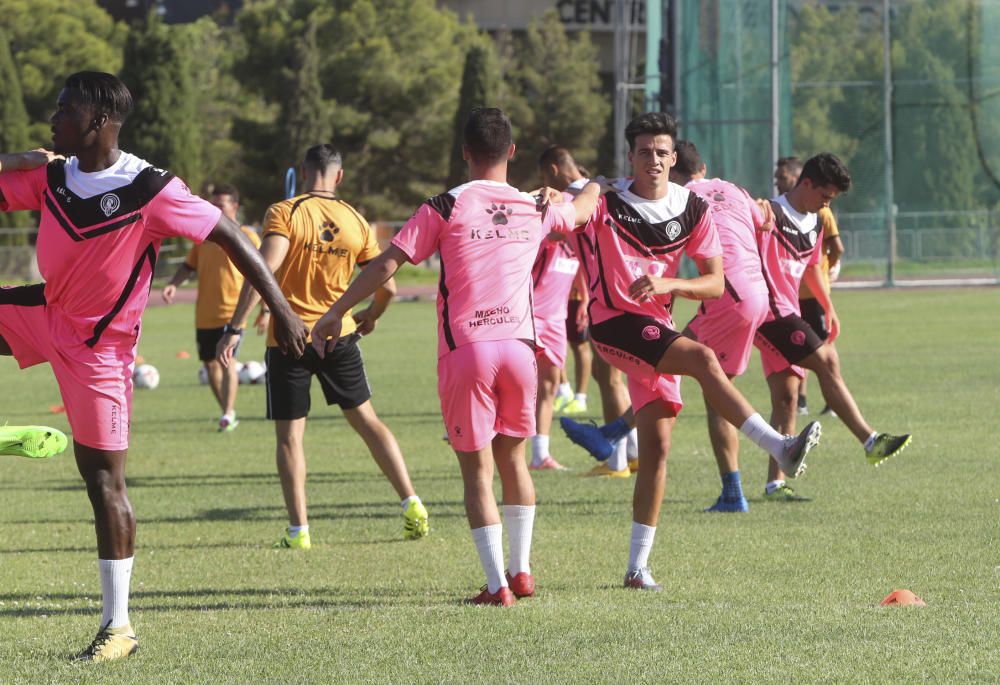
[243,372]
[146,376]
[256,372]
[202,375]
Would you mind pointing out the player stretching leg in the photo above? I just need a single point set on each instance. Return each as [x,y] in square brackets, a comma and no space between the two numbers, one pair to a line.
[552,277]
[790,254]
[313,242]
[559,170]
[727,325]
[640,233]
[103,215]
[486,339]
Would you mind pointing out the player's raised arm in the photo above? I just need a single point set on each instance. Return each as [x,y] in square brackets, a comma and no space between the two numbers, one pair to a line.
[586,202]
[23,161]
[289,330]
[372,278]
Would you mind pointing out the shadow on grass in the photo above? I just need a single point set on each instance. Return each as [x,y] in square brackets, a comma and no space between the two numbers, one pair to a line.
[387,509]
[227,599]
[209,480]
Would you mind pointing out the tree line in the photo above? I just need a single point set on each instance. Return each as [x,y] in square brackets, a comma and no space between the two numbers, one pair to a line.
[239,98]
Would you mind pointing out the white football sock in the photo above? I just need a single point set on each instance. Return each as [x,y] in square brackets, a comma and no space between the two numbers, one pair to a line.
[773,485]
[539,448]
[581,397]
[619,456]
[520,522]
[870,442]
[565,390]
[411,498]
[641,546]
[764,436]
[295,531]
[633,444]
[489,544]
[116,574]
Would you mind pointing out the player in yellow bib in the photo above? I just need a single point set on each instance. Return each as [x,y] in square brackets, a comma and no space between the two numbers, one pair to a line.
[313,242]
[219,284]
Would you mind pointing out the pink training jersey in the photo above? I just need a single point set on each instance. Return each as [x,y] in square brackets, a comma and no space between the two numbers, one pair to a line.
[487,234]
[552,278]
[737,218]
[786,251]
[97,253]
[633,236]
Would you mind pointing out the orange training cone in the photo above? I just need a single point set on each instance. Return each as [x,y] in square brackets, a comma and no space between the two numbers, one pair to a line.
[903,598]
[57,409]
[183,354]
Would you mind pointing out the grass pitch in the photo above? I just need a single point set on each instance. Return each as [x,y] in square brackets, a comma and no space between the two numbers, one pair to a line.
[786,593]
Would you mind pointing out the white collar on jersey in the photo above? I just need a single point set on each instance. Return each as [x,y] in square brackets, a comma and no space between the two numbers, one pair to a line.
[804,222]
[457,190]
[655,211]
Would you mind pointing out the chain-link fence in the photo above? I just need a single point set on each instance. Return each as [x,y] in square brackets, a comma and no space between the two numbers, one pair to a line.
[756,79]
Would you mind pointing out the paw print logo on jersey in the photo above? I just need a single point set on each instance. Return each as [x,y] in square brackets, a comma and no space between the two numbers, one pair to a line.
[798,338]
[499,214]
[328,231]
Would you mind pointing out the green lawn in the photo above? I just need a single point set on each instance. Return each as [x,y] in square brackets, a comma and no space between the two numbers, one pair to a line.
[786,593]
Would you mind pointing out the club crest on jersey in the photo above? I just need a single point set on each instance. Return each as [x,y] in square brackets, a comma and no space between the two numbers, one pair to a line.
[110,204]
[674,229]
[651,333]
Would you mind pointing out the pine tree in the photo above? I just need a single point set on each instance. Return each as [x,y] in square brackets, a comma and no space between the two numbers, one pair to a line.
[480,88]
[163,128]
[305,116]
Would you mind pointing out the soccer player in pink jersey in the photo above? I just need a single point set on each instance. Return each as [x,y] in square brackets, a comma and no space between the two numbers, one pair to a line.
[552,277]
[727,325]
[104,213]
[640,232]
[487,234]
[790,253]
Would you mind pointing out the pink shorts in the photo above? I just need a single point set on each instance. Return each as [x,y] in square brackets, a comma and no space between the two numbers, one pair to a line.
[487,388]
[552,337]
[728,326]
[95,383]
[635,344]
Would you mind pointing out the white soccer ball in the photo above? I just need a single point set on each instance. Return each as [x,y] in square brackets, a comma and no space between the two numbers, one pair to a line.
[202,375]
[256,372]
[146,376]
[243,371]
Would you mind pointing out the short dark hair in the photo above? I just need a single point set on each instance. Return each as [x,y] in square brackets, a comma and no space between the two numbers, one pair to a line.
[226,189]
[689,160]
[555,154]
[488,134]
[653,123]
[792,163]
[106,93]
[825,169]
[322,157]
